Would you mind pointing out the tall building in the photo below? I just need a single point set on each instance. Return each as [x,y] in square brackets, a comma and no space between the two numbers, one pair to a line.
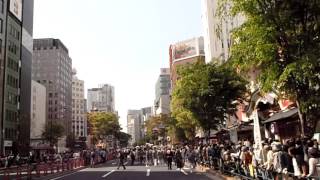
[16,30]
[38,112]
[184,52]
[135,122]
[162,90]
[52,67]
[101,99]
[79,114]
[217,31]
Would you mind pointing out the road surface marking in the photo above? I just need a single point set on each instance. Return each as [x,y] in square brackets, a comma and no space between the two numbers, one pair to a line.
[185,173]
[63,176]
[108,173]
[148,172]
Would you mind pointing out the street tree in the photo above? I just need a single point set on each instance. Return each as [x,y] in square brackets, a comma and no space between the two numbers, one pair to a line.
[123,138]
[156,126]
[281,38]
[184,117]
[103,124]
[52,132]
[208,92]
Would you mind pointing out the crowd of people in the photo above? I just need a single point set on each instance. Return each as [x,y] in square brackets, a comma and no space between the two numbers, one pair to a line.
[296,158]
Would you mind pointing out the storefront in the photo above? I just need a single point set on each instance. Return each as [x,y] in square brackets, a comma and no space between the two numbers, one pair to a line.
[283,125]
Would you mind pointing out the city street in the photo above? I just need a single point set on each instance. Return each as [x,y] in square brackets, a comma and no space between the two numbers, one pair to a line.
[135,172]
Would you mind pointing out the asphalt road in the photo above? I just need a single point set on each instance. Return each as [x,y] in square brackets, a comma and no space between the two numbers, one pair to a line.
[109,171]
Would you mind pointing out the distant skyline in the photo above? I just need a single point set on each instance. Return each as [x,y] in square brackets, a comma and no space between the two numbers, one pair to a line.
[123,43]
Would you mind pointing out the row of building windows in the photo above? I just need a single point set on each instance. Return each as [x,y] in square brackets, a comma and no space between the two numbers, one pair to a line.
[12,47]
[77,83]
[14,32]
[51,116]
[51,95]
[12,98]
[11,115]
[12,64]
[77,133]
[77,127]
[10,133]
[81,122]
[51,102]
[12,81]
[77,89]
[77,112]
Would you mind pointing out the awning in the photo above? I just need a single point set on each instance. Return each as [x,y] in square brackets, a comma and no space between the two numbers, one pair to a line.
[282,115]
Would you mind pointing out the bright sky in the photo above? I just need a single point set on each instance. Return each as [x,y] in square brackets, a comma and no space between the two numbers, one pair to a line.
[120,42]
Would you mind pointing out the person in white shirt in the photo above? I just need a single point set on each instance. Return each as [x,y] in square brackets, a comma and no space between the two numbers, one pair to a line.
[296,169]
[313,161]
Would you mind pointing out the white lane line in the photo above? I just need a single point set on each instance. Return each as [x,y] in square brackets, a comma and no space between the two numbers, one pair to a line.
[108,173]
[185,173]
[63,176]
[148,172]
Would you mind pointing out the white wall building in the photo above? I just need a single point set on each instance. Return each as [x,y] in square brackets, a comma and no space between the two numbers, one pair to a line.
[79,115]
[101,99]
[38,111]
[217,31]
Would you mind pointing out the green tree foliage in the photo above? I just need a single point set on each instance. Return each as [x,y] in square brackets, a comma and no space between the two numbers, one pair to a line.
[205,94]
[156,126]
[123,138]
[282,39]
[70,140]
[103,124]
[52,132]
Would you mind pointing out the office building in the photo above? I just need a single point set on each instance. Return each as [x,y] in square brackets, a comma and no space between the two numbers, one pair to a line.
[162,92]
[217,31]
[101,99]
[16,30]
[38,113]
[135,122]
[184,52]
[52,67]
[79,114]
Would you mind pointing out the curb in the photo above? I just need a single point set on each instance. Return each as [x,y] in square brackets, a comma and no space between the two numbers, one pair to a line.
[51,176]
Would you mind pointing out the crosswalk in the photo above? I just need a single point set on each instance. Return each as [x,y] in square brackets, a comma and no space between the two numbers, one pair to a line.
[148,170]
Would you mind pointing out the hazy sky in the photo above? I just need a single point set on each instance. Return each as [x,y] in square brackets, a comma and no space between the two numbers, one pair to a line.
[120,42]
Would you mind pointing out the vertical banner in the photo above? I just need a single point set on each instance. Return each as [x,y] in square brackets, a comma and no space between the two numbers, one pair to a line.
[256,129]
[234,135]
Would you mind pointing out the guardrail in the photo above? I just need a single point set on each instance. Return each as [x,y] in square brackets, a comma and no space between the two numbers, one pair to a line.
[40,169]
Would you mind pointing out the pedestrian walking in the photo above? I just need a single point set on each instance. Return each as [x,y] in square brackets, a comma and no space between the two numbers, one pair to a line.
[133,157]
[92,158]
[121,160]
[169,156]
[178,159]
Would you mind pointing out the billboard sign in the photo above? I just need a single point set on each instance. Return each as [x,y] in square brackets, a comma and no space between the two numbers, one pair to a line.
[185,49]
[16,8]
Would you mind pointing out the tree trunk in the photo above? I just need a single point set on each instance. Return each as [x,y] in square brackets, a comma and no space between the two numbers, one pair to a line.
[302,121]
